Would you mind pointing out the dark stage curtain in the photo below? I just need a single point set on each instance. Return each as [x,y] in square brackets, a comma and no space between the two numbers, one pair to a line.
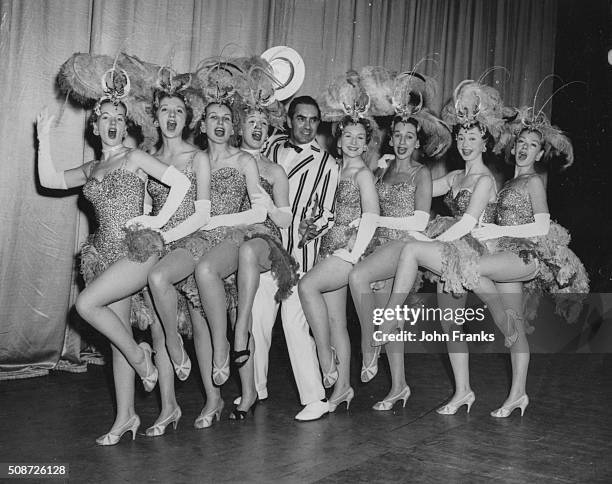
[40,230]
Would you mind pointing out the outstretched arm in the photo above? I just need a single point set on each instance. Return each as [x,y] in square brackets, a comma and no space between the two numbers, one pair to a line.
[48,175]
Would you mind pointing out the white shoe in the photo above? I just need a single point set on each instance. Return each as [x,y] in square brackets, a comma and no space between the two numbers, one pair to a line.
[313,411]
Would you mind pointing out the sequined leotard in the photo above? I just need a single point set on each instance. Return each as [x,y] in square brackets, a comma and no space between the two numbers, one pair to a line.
[117,198]
[348,208]
[459,257]
[560,271]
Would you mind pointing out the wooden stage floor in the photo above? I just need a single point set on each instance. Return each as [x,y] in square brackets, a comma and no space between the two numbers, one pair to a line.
[565,435]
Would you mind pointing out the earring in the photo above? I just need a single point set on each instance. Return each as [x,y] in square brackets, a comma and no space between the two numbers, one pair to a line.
[156,123]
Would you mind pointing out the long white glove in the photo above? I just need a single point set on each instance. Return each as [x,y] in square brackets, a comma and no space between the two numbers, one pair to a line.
[191,224]
[534,229]
[367,227]
[417,222]
[458,230]
[256,214]
[281,216]
[49,177]
[179,186]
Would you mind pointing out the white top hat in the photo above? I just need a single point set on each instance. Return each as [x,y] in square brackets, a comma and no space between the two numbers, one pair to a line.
[288,68]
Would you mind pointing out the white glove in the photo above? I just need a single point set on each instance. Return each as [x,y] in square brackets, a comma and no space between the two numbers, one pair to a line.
[191,224]
[256,214]
[540,226]
[383,161]
[417,222]
[179,186]
[458,230]
[49,177]
[366,230]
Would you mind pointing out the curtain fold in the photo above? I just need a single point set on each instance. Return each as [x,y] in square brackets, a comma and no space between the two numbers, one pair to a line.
[41,230]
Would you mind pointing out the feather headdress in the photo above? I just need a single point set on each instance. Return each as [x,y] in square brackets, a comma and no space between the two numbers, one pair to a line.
[345,96]
[473,103]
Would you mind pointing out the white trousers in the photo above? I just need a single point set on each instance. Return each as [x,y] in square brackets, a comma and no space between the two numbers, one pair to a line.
[300,345]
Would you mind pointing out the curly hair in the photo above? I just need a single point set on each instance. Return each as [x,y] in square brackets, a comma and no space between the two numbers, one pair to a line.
[348,121]
[414,122]
[159,95]
[486,135]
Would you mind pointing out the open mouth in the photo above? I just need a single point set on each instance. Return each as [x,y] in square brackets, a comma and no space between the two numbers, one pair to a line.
[466,152]
[257,135]
[112,133]
[171,125]
[522,156]
[219,132]
[402,150]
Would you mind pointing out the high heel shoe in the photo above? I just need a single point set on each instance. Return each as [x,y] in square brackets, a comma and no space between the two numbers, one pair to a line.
[505,410]
[159,428]
[183,369]
[368,372]
[220,375]
[388,403]
[111,438]
[513,320]
[236,414]
[150,379]
[451,408]
[241,354]
[330,378]
[347,397]
[205,420]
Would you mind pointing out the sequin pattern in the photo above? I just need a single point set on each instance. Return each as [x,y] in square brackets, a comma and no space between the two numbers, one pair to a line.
[513,206]
[459,203]
[348,208]
[117,198]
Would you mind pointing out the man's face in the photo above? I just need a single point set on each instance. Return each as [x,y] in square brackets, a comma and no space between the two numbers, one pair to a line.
[304,124]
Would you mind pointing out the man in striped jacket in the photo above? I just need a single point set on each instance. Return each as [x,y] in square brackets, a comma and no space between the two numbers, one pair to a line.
[313,178]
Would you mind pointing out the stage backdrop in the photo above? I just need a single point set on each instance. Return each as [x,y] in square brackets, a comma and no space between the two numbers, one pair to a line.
[41,230]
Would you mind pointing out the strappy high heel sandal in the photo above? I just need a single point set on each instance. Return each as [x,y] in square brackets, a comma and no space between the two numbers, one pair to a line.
[347,397]
[111,438]
[388,403]
[505,410]
[183,369]
[368,372]
[159,428]
[150,379]
[220,375]
[237,414]
[451,409]
[330,378]
[205,420]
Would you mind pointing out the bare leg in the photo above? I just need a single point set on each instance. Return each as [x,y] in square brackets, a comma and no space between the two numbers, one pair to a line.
[327,275]
[252,260]
[336,308]
[120,280]
[173,268]
[203,348]
[378,266]
[215,266]
[458,352]
[512,294]
[123,373]
[166,371]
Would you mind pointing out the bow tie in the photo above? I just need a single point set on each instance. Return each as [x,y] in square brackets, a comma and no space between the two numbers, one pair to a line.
[289,144]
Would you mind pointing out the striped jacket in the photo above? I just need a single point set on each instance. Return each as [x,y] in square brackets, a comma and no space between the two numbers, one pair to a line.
[312,171]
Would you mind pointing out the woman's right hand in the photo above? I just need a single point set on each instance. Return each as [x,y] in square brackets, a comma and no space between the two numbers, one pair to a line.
[44,120]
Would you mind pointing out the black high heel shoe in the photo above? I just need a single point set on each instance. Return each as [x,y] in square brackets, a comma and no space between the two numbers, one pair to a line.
[236,414]
[236,355]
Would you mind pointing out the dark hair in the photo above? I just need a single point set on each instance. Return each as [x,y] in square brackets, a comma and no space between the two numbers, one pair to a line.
[414,122]
[93,119]
[302,100]
[348,121]
[200,137]
[159,95]
[486,135]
